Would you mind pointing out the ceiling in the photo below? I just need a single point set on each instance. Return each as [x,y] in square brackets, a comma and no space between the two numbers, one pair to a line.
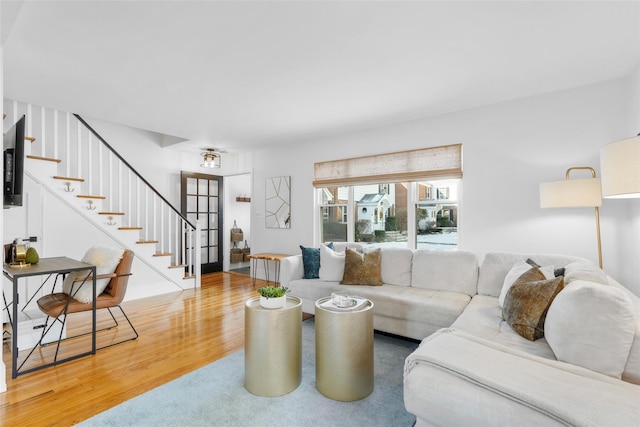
[238,74]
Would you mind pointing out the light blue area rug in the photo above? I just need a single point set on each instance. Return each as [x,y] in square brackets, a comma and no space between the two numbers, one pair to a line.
[215,396]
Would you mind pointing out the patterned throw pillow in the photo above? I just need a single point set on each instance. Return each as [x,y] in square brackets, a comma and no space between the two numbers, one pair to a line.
[526,305]
[362,268]
[311,261]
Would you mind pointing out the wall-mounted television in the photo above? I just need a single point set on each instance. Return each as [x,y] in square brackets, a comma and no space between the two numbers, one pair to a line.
[13,171]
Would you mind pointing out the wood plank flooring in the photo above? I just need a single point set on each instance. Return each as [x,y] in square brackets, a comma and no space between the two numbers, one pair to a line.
[179,332]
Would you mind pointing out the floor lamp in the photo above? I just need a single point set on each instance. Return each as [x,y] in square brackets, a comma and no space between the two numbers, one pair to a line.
[620,168]
[575,193]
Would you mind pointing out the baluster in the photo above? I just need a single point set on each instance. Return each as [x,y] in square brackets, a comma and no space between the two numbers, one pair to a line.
[67,154]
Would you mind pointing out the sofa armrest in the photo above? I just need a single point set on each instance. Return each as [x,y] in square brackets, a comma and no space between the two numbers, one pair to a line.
[452,370]
[291,268]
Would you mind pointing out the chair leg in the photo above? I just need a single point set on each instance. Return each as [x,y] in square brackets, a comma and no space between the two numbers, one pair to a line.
[130,324]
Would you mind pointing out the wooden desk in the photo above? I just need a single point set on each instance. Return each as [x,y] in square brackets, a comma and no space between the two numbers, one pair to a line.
[266,257]
[46,266]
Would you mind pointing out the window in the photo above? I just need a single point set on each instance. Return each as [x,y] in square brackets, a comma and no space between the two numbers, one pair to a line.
[359,204]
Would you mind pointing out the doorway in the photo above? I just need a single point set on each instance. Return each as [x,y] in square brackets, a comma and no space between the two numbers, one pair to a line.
[201,199]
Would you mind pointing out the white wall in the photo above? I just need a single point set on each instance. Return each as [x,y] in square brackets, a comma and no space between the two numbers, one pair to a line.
[508,149]
[237,186]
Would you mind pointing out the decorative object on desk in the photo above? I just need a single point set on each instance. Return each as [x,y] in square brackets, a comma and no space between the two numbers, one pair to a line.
[15,254]
[278,202]
[236,233]
[32,256]
[273,297]
[246,251]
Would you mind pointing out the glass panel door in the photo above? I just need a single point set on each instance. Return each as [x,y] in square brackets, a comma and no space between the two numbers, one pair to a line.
[201,199]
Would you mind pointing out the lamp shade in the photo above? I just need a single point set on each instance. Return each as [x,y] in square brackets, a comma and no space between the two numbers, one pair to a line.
[571,193]
[620,169]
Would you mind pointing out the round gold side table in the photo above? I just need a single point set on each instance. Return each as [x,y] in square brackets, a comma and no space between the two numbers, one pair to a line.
[272,347]
[344,351]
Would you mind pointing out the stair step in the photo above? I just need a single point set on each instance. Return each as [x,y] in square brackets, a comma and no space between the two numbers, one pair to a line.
[85,196]
[177,265]
[66,178]
[111,213]
[144,242]
[129,228]
[189,276]
[30,138]
[162,254]
[46,159]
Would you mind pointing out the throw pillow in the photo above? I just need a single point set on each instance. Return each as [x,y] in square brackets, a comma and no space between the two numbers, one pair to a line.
[311,261]
[362,268]
[331,264]
[106,260]
[523,272]
[582,270]
[593,326]
[526,304]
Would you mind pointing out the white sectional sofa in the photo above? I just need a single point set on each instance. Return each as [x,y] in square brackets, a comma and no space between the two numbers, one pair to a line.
[472,368]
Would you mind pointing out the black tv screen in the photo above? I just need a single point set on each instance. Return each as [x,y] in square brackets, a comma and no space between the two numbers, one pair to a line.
[14,164]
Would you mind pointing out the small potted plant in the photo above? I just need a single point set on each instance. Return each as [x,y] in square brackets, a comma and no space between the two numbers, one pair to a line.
[272,296]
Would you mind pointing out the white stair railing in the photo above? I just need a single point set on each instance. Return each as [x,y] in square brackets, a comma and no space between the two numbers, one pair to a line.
[128,196]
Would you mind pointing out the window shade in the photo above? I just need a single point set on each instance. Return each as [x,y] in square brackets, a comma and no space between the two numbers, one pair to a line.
[426,163]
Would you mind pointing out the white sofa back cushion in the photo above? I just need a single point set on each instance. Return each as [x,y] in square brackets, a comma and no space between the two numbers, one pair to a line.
[395,265]
[453,271]
[495,266]
[592,325]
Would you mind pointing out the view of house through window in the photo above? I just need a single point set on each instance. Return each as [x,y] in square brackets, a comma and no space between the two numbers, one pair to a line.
[380,214]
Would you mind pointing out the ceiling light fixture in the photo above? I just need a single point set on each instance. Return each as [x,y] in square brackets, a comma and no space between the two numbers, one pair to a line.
[210,158]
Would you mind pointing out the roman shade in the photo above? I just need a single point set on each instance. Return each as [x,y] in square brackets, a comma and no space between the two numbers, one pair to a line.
[413,165]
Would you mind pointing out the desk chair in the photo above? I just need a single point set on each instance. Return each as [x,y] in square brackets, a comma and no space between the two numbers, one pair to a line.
[58,305]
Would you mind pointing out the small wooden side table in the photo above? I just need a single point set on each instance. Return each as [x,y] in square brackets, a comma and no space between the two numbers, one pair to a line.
[266,257]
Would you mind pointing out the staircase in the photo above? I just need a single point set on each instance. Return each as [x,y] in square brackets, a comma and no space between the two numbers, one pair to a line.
[77,166]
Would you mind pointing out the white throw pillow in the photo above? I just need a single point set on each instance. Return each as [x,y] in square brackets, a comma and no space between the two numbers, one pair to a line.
[593,326]
[331,264]
[106,260]
[516,271]
[584,271]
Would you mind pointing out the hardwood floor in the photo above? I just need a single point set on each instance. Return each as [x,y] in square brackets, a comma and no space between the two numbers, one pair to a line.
[179,332]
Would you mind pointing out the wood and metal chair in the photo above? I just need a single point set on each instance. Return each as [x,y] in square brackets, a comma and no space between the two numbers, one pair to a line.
[58,305]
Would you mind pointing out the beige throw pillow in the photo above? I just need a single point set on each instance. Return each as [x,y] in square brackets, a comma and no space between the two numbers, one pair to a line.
[526,305]
[362,268]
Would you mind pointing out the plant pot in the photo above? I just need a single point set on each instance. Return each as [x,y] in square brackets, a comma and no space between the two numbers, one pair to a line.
[273,302]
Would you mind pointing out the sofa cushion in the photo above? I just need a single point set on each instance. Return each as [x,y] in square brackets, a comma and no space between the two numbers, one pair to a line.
[311,261]
[593,326]
[523,272]
[331,264]
[483,318]
[438,270]
[362,268]
[526,304]
[396,266]
[495,266]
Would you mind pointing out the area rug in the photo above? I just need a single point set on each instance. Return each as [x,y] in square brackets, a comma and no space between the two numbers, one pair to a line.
[215,396]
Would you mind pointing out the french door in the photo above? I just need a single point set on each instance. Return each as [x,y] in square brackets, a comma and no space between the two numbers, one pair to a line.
[201,199]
